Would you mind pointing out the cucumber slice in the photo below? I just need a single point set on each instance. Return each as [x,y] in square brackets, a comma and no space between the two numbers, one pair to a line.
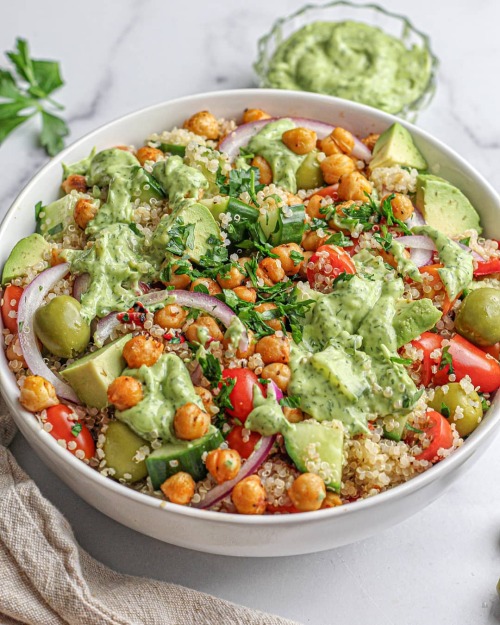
[144,186]
[171,148]
[318,448]
[283,224]
[182,456]
[394,426]
[242,215]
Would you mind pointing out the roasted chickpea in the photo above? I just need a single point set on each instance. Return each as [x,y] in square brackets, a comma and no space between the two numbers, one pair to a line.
[74,183]
[272,271]
[293,415]
[171,316]
[402,206]
[247,294]
[142,350]
[223,464]
[300,140]
[354,186]
[125,392]
[307,492]
[203,124]
[344,139]
[303,267]
[231,279]
[14,351]
[179,488]
[332,500]
[37,394]
[146,153]
[329,146]
[370,141]
[313,208]
[249,351]
[265,171]
[249,496]
[206,397]
[292,199]
[84,213]
[289,255]
[177,280]
[212,286]
[274,323]
[335,166]
[273,349]
[279,373]
[254,115]
[204,322]
[191,422]
[311,240]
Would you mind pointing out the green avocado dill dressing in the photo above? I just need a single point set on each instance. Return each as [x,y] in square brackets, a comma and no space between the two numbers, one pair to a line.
[179,181]
[267,416]
[351,60]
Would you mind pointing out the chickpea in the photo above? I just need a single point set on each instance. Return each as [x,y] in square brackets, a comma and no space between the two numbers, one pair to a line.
[203,124]
[344,139]
[332,500]
[249,496]
[212,286]
[329,146]
[84,213]
[247,294]
[272,271]
[265,171]
[179,488]
[204,322]
[231,279]
[277,372]
[14,352]
[370,141]
[290,265]
[293,415]
[313,208]
[223,464]
[55,257]
[191,422]
[402,206]
[354,186]
[37,394]
[303,267]
[142,350]
[249,351]
[177,280]
[171,316]
[300,140]
[311,240]
[146,153]
[274,323]
[335,166]
[243,260]
[74,183]
[273,349]
[254,115]
[307,492]
[125,392]
[206,397]
[293,200]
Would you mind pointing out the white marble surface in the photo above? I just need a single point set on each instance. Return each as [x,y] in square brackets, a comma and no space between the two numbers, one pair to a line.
[441,566]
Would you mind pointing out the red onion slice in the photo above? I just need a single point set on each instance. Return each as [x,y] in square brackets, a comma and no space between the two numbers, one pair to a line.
[277,391]
[420,257]
[31,300]
[416,219]
[80,285]
[251,465]
[417,241]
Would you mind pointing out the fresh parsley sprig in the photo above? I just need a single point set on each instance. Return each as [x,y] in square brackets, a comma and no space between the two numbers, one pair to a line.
[26,92]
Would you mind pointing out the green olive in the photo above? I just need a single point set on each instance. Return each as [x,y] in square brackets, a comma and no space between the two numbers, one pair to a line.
[478,318]
[309,174]
[120,447]
[61,328]
[469,405]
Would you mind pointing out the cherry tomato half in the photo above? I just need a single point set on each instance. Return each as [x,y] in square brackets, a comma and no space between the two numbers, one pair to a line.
[10,303]
[243,447]
[440,435]
[330,191]
[64,428]
[241,397]
[434,281]
[329,261]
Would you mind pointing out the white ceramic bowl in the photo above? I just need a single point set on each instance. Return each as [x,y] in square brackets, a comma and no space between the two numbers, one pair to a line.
[210,531]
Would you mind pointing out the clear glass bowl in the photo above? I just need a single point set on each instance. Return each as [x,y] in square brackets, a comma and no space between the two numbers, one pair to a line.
[396,25]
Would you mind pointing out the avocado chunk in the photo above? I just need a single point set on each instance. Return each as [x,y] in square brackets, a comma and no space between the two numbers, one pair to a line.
[27,253]
[120,448]
[445,207]
[395,146]
[53,219]
[414,317]
[182,456]
[318,448]
[91,375]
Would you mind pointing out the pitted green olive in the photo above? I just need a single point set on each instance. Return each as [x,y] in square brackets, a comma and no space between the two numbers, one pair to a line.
[478,318]
[120,448]
[470,410]
[61,328]
[309,174]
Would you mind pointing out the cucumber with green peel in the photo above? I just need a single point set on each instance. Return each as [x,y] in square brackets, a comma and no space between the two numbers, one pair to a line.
[172,148]
[283,224]
[144,186]
[182,456]
[242,215]
[394,426]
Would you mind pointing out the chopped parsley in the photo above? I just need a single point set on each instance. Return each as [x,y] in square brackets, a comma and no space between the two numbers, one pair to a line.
[296,257]
[446,361]
[292,401]
[181,237]
[211,368]
[240,181]
[401,361]
[445,410]
[76,429]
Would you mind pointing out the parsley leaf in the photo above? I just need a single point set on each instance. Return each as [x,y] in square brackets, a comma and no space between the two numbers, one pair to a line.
[386,211]
[292,401]
[76,429]
[401,361]
[181,237]
[297,257]
[339,239]
[342,277]
[384,238]
[223,400]
[240,181]
[445,410]
[446,361]
[211,368]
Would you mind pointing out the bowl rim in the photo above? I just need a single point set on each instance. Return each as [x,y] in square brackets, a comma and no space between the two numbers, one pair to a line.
[9,388]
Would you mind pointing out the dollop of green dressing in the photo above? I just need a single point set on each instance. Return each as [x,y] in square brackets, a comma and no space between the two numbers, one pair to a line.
[351,60]
[179,181]
[267,416]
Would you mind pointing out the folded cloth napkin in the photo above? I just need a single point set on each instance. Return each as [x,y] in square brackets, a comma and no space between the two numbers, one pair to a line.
[47,579]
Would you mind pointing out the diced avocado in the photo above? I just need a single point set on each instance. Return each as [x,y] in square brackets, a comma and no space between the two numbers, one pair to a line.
[182,456]
[395,146]
[91,375]
[445,207]
[26,253]
[394,426]
[53,219]
[318,448]
[144,186]
[414,317]
[120,447]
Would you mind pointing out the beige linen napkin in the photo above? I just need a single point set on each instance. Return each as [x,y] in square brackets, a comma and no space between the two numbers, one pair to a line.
[47,579]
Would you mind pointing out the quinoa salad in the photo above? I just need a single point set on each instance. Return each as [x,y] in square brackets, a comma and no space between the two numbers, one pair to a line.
[267,315]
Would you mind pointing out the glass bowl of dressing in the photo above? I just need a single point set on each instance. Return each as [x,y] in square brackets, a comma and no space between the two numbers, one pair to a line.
[358,52]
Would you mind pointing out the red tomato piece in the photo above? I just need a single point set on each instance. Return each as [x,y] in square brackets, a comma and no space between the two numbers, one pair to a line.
[492,350]
[330,191]
[243,447]
[10,303]
[427,342]
[440,435]
[241,397]
[435,281]
[487,267]
[329,262]
[64,428]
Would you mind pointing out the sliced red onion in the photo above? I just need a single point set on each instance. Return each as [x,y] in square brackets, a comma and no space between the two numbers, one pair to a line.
[80,285]
[277,391]
[196,375]
[232,143]
[417,241]
[420,257]
[31,300]
[471,251]
[251,465]
[416,219]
